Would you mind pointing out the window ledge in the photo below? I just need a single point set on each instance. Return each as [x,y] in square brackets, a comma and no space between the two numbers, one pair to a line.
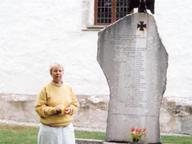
[93,28]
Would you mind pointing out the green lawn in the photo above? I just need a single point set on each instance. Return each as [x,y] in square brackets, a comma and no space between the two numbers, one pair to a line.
[28,135]
[177,139]
[18,135]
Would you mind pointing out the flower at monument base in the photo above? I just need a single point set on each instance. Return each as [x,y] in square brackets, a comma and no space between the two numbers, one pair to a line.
[137,134]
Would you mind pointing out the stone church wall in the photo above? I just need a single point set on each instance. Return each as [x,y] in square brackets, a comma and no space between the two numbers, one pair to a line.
[92,115]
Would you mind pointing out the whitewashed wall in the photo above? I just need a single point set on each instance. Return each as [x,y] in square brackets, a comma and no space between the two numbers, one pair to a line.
[36,33]
[174,22]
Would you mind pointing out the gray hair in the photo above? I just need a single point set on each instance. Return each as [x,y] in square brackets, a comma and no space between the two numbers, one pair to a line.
[55,65]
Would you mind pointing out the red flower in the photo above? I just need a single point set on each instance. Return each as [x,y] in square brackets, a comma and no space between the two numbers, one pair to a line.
[137,134]
[132,129]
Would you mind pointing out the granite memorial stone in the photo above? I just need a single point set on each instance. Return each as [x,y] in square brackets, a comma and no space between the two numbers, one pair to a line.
[134,61]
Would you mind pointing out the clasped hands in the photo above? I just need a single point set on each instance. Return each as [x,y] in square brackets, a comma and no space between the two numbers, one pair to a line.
[67,110]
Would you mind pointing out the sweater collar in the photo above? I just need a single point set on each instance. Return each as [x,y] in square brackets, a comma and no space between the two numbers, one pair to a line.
[56,84]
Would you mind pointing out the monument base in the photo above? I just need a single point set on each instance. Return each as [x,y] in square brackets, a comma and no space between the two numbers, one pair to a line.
[125,143]
[86,141]
[113,143]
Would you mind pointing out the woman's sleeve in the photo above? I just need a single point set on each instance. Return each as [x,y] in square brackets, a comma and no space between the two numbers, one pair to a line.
[75,103]
[41,107]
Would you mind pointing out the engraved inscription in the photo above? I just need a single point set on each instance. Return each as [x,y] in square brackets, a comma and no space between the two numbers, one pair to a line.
[130,55]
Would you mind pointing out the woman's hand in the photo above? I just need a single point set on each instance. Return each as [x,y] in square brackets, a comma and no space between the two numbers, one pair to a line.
[68,110]
[59,108]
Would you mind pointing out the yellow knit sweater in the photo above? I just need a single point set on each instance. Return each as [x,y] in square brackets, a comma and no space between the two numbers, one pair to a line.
[51,96]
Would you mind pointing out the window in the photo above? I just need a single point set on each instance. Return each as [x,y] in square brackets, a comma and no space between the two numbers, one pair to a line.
[108,11]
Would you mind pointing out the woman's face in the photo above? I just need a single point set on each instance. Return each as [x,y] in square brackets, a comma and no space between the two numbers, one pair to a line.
[57,74]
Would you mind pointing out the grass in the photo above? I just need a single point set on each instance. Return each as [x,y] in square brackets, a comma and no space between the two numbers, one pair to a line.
[28,135]
[90,135]
[17,135]
[177,139]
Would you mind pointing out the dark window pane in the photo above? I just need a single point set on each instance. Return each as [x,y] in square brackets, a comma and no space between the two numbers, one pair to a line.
[121,8]
[110,9]
[104,11]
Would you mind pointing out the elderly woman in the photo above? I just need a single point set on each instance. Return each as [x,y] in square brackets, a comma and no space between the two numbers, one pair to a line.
[56,105]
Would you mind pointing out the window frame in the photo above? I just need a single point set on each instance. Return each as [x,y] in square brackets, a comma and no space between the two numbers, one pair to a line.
[113,13]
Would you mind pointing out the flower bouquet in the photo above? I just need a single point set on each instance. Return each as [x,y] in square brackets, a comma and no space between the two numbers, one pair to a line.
[137,134]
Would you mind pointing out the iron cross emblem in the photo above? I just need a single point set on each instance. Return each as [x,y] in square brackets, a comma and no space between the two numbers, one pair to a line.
[141,25]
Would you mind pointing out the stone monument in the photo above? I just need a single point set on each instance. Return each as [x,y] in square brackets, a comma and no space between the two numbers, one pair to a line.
[134,61]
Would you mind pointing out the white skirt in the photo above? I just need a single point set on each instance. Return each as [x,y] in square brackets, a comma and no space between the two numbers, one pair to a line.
[56,135]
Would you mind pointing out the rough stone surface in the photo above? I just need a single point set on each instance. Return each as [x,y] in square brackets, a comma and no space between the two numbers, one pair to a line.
[176,117]
[92,115]
[17,107]
[135,62]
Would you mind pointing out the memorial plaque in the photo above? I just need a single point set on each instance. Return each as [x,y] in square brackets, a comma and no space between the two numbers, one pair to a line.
[134,62]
